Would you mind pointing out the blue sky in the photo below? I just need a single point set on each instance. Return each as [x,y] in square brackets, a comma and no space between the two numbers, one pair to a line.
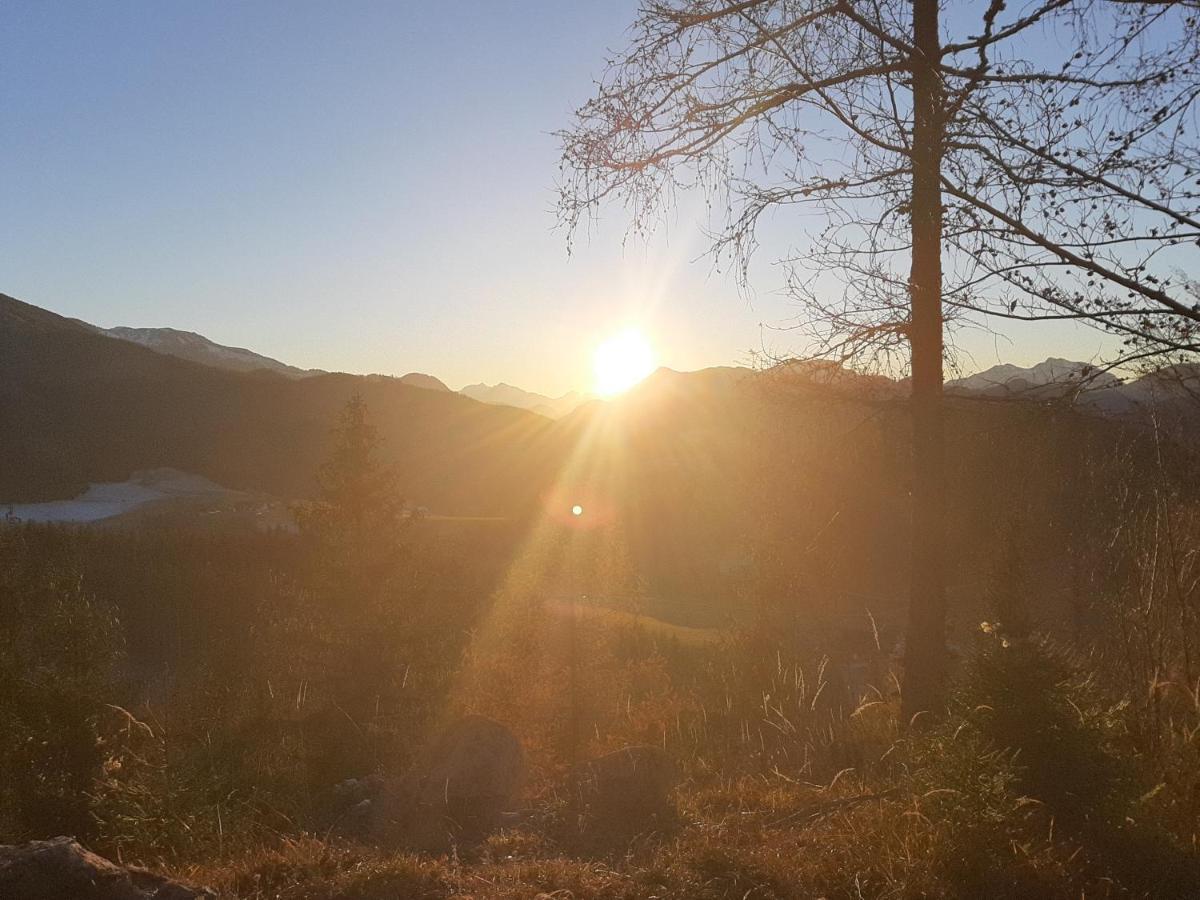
[356,186]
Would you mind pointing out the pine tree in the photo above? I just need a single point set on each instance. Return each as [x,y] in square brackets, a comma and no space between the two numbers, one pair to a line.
[359,519]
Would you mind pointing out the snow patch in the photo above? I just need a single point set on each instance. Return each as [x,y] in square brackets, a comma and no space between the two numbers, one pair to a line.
[105,500]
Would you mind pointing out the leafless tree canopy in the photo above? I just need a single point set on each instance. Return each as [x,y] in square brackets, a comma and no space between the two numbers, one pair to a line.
[1069,155]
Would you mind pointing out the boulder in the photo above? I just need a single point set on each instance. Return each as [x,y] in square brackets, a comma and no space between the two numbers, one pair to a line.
[460,786]
[629,784]
[353,791]
[354,801]
[62,868]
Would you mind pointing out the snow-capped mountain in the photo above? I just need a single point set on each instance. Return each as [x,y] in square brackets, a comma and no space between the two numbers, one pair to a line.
[1050,376]
[1173,392]
[1050,379]
[198,348]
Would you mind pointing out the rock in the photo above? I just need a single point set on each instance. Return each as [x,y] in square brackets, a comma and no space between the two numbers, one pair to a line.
[353,791]
[461,785]
[61,868]
[474,761]
[353,804]
[630,784]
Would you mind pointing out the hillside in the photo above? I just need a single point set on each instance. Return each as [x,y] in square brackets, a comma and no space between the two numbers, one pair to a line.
[78,407]
[1051,377]
[507,395]
[712,566]
[702,480]
[197,348]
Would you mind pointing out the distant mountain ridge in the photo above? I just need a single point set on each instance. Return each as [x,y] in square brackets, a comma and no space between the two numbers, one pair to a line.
[421,380]
[1006,378]
[506,395]
[79,407]
[1052,377]
[197,348]
[696,468]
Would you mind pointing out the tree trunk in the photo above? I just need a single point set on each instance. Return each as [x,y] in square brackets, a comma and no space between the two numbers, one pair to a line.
[925,643]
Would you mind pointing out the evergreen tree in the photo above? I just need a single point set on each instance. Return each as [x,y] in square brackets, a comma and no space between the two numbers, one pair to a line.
[359,518]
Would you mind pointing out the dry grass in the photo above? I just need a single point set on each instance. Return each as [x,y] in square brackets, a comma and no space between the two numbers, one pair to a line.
[609,617]
[943,813]
[749,838]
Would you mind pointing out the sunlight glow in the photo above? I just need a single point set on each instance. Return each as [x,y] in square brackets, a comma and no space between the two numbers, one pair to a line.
[577,510]
[621,362]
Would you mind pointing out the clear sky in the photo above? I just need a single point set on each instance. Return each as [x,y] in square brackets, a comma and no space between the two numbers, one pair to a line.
[355,186]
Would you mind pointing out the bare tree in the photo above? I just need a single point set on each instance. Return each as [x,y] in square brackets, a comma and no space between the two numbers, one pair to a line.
[1033,163]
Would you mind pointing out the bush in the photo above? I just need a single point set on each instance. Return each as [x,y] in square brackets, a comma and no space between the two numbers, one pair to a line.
[61,664]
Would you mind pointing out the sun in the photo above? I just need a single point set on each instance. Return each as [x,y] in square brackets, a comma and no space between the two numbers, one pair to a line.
[621,362]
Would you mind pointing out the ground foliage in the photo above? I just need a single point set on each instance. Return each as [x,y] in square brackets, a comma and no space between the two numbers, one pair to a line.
[187,699]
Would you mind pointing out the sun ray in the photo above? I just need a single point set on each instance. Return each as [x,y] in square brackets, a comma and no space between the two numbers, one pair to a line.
[621,362]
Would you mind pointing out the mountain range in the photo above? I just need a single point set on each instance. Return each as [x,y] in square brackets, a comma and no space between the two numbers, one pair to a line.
[197,348]
[82,404]
[507,395]
[697,474]
[1051,378]
[1006,379]
[78,406]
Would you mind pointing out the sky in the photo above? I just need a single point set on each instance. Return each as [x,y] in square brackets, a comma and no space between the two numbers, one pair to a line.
[358,186]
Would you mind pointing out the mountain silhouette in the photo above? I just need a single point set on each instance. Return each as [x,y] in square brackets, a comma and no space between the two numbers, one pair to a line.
[78,406]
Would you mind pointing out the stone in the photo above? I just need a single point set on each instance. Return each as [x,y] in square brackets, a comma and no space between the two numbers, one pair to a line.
[353,791]
[61,867]
[459,788]
[631,783]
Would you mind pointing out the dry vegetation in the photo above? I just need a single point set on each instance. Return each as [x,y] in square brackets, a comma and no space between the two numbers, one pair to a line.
[188,699]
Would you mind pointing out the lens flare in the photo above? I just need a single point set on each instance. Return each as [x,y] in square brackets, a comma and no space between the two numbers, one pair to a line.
[621,362]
